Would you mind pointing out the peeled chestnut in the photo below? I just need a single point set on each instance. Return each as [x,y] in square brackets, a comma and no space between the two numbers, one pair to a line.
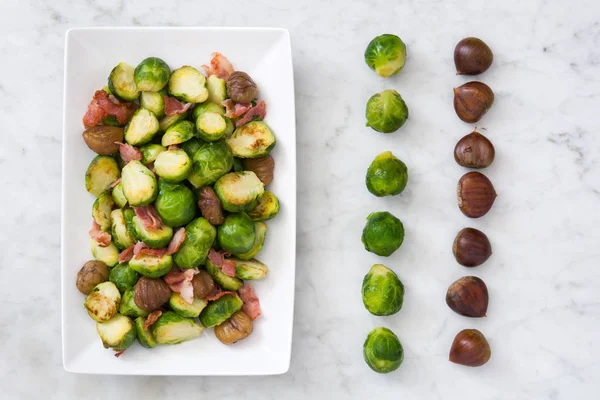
[474,151]
[472,56]
[471,247]
[476,194]
[470,348]
[262,166]
[468,296]
[472,100]
[241,88]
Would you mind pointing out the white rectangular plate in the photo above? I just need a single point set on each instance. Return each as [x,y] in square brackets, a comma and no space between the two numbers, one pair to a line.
[263,53]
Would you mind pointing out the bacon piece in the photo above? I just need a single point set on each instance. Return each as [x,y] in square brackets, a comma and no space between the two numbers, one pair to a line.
[174,106]
[181,282]
[115,183]
[219,66]
[259,110]
[176,241]
[233,109]
[142,248]
[128,152]
[218,258]
[102,105]
[150,219]
[119,353]
[152,318]
[173,147]
[251,303]
[127,254]
[138,247]
[103,238]
[151,168]
[217,294]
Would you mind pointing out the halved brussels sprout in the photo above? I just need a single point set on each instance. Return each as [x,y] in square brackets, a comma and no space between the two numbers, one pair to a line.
[386,55]
[120,234]
[128,213]
[154,238]
[207,107]
[151,266]
[123,277]
[211,126]
[188,84]
[191,146]
[152,74]
[382,291]
[102,172]
[386,111]
[170,120]
[237,190]
[139,184]
[154,102]
[118,333]
[211,161]
[267,207]
[108,255]
[383,234]
[128,306]
[150,152]
[249,270]
[178,133]
[118,195]
[175,204]
[103,302]
[254,139]
[172,328]
[229,128]
[220,310]
[141,128]
[387,175]
[199,236]
[382,351]
[225,281]
[236,234]
[185,309]
[145,337]
[260,229]
[217,89]
[101,210]
[173,165]
[121,82]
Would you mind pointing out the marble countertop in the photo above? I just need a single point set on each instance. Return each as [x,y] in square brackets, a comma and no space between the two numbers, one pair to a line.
[544,315]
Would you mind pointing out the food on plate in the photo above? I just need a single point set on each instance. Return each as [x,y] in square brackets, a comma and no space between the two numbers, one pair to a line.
[239,191]
[470,348]
[103,139]
[250,270]
[103,301]
[476,194]
[241,88]
[471,247]
[210,161]
[239,326]
[172,165]
[172,328]
[150,294]
[118,333]
[123,277]
[151,75]
[468,296]
[387,175]
[383,234]
[91,274]
[472,100]
[474,151]
[386,111]
[220,310]
[266,208]
[102,172]
[386,55]
[383,351]
[382,291]
[251,140]
[262,166]
[472,56]
[175,204]
[237,233]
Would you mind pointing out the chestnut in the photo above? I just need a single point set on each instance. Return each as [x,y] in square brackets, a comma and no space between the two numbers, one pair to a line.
[470,348]
[472,100]
[468,296]
[471,247]
[475,194]
[472,56]
[474,151]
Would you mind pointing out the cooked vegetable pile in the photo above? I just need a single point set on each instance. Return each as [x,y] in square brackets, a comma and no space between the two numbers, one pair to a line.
[179,179]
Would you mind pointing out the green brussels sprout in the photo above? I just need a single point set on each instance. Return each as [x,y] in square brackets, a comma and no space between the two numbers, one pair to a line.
[155,238]
[175,204]
[250,270]
[102,172]
[211,161]
[118,333]
[207,107]
[220,310]
[225,281]
[199,236]
[251,140]
[128,306]
[150,151]
[170,120]
[185,309]
[101,210]
[123,277]
[178,133]
[217,89]
[386,111]
[108,255]
[237,190]
[383,234]
[173,165]
[387,175]
[120,235]
[151,75]
[238,166]
[191,146]
[229,128]
[172,328]
[118,195]
[154,102]
[128,213]
[386,55]
[260,229]
[236,234]
[121,82]
[267,207]
[382,291]
[211,126]
[139,184]
[141,128]
[111,120]
[103,302]
[145,337]
[151,266]
[188,84]
[382,351]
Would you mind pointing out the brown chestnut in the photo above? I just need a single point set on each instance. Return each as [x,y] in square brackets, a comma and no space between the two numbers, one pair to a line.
[472,100]
[476,194]
[149,294]
[102,138]
[474,151]
[239,326]
[92,273]
[203,284]
[470,348]
[210,206]
[471,247]
[468,296]
[262,166]
[241,88]
[472,56]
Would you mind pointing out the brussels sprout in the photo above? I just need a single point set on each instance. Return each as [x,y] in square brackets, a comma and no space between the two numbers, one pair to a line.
[103,301]
[229,128]
[249,270]
[141,128]
[211,161]
[151,266]
[387,175]
[386,111]
[217,89]
[108,255]
[101,210]
[178,133]
[220,310]
[386,55]
[252,140]
[237,190]
[383,234]
[382,291]
[238,166]
[128,306]
[102,172]
[118,333]
[188,84]
[175,204]
[225,281]
[111,120]
[199,236]
[236,235]
[172,328]
[128,213]
[191,146]
[145,337]
[382,351]
[154,102]
[139,184]
[207,107]
[123,277]
[118,195]
[170,120]
[173,165]
[260,229]
[120,235]
[150,152]
[151,75]
[121,82]
[154,238]
[185,309]
[211,126]
[267,207]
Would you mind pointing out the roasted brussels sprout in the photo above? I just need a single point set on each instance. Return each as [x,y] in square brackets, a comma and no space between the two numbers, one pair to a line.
[139,184]
[267,207]
[386,55]
[260,230]
[207,107]
[220,310]
[241,88]
[383,234]
[236,234]
[262,166]
[145,337]
[172,328]
[211,126]
[151,75]
[217,89]
[173,165]
[191,146]
[237,190]
[102,172]
[382,351]
[118,333]
[128,306]
[153,101]
[199,236]
[120,234]
[123,277]
[108,255]
[151,266]
[382,291]
[203,284]
[149,294]
[386,111]
[141,128]
[188,84]
[387,175]
[210,161]
[91,274]
[251,140]
[150,152]
[210,206]
[101,210]
[225,281]
[119,196]
[237,327]
[121,82]
[177,133]
[185,309]
[103,301]
[250,270]
[101,139]
[128,213]
[170,120]
[175,204]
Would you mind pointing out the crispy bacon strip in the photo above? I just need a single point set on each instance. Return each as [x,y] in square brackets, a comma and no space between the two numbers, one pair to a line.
[119,353]
[128,152]
[233,109]
[115,183]
[127,254]
[142,248]
[218,258]
[177,241]
[219,66]
[103,238]
[181,282]
[149,217]
[258,111]
[217,294]
[152,318]
[102,105]
[251,303]
[174,106]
